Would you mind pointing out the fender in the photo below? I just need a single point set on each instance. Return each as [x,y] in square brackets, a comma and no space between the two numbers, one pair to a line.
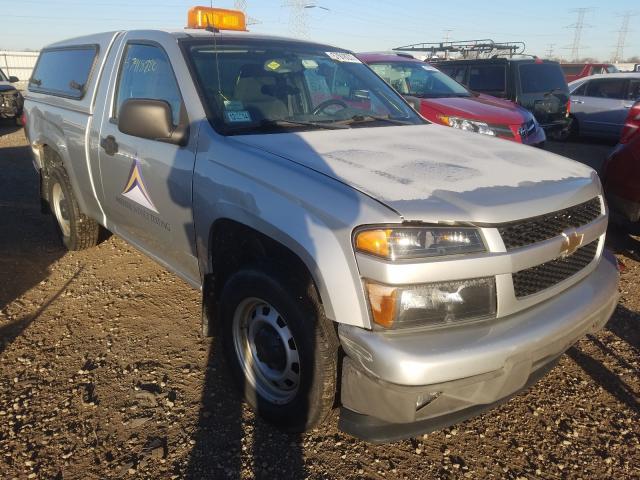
[267,193]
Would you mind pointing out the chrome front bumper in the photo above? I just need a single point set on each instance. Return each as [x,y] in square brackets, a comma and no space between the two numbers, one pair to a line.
[387,376]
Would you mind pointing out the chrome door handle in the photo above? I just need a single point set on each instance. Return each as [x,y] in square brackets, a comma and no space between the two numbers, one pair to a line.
[577,101]
[627,106]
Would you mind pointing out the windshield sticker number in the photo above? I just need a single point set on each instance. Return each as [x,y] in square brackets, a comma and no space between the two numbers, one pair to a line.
[343,57]
[237,116]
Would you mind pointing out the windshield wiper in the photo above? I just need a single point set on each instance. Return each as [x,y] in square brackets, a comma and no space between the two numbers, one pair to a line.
[284,123]
[370,118]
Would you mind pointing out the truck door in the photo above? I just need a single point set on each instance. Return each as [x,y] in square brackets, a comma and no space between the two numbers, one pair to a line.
[147,184]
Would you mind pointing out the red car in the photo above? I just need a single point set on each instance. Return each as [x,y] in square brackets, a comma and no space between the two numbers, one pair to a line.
[574,71]
[440,99]
[621,173]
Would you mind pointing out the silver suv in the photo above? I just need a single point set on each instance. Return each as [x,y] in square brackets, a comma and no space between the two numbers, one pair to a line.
[349,252]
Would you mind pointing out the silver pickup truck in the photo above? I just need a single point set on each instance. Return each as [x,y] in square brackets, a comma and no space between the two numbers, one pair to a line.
[349,253]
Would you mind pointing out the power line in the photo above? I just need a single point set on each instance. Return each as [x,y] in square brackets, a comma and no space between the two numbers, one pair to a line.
[622,36]
[577,35]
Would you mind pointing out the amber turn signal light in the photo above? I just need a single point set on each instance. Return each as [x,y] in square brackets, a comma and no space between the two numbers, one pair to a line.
[382,300]
[375,242]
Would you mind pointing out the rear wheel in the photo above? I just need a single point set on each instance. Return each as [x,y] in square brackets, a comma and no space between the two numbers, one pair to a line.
[281,348]
[76,229]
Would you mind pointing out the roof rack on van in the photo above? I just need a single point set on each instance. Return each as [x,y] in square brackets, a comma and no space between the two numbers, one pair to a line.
[466,49]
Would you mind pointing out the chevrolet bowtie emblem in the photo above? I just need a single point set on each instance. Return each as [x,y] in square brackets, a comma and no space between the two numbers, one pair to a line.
[571,241]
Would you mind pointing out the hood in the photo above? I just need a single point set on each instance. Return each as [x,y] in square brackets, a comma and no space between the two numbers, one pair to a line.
[434,174]
[482,107]
[7,87]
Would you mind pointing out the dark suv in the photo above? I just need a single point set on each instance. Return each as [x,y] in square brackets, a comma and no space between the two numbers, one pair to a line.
[537,85]
[11,100]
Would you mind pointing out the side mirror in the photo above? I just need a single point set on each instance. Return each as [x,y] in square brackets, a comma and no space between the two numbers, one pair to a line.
[152,119]
[413,101]
[14,79]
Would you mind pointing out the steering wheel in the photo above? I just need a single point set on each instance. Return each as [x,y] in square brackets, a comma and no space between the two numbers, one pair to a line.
[327,103]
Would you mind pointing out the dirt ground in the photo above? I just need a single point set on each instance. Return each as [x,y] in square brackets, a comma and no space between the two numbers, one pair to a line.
[103,374]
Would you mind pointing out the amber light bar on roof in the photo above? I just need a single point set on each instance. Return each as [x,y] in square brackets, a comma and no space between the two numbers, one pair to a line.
[218,18]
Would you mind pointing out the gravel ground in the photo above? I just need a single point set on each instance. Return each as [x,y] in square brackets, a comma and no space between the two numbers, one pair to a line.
[103,374]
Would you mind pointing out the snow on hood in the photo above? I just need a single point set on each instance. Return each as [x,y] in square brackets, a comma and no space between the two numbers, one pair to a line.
[433,173]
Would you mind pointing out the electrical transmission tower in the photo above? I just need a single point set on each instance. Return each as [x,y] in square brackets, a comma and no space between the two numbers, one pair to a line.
[298,17]
[550,48]
[578,27]
[447,35]
[622,36]
[242,6]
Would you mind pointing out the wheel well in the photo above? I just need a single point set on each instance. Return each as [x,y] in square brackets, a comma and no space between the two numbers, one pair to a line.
[50,159]
[233,245]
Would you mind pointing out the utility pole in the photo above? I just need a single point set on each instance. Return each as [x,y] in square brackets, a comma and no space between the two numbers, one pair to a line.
[550,50]
[622,36]
[446,35]
[577,36]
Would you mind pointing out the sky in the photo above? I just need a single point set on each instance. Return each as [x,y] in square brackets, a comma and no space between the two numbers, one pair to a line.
[360,25]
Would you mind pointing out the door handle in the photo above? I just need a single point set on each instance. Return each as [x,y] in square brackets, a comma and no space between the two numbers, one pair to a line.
[627,106]
[109,145]
[577,101]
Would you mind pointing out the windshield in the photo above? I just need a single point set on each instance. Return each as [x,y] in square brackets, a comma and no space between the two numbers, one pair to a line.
[419,80]
[273,86]
[542,78]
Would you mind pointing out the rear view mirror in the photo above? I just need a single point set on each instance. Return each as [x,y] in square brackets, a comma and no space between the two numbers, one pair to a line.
[152,119]
[14,79]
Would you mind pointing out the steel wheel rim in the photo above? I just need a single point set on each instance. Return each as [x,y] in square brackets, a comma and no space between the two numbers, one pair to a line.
[266,350]
[60,209]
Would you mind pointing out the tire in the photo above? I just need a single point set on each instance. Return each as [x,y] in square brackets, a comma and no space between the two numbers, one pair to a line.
[571,132]
[260,308]
[77,231]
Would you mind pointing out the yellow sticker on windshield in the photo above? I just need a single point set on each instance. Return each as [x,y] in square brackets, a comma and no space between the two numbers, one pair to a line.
[272,65]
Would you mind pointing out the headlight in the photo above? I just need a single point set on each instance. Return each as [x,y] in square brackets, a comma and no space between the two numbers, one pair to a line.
[432,304]
[469,125]
[403,243]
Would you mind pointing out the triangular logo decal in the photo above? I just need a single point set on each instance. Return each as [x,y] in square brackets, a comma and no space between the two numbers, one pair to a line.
[135,189]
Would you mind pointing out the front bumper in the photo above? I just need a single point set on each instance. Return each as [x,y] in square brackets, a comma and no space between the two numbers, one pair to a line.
[11,105]
[388,378]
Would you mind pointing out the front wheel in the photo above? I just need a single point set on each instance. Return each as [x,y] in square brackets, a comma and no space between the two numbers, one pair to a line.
[281,348]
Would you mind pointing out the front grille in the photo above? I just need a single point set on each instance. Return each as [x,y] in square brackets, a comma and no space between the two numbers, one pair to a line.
[537,229]
[538,278]
[527,128]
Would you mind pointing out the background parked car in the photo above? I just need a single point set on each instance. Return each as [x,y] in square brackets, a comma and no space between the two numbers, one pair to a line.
[574,71]
[537,85]
[601,103]
[621,174]
[442,100]
[11,100]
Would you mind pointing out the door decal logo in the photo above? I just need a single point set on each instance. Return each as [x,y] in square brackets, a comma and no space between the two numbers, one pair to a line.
[135,189]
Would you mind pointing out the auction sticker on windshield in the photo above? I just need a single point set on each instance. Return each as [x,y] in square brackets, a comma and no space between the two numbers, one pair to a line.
[237,116]
[343,57]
